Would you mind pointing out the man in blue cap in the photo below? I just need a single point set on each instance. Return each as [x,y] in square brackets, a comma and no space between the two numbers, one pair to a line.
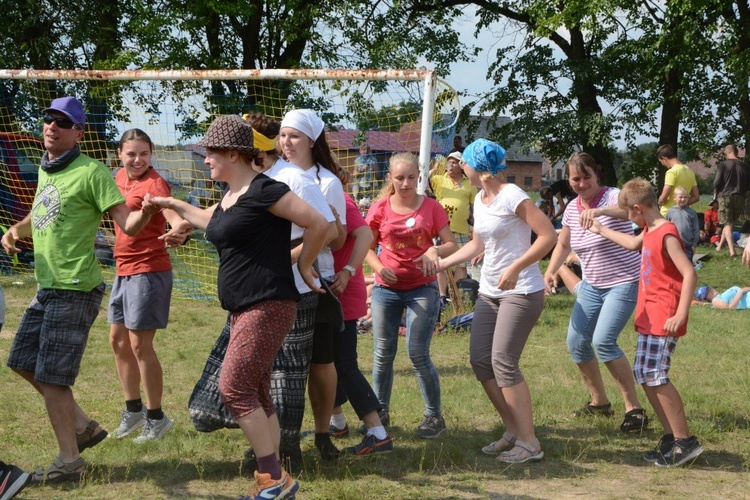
[73,192]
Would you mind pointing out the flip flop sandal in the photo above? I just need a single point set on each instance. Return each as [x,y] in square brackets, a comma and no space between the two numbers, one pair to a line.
[87,438]
[59,471]
[528,453]
[498,446]
[635,421]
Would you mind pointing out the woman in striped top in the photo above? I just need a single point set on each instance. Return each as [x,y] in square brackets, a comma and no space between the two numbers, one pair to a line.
[607,295]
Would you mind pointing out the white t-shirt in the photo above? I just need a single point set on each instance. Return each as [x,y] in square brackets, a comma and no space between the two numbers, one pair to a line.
[333,191]
[305,188]
[506,237]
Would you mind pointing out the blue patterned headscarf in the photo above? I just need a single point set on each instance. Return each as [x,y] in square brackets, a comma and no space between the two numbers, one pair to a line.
[485,156]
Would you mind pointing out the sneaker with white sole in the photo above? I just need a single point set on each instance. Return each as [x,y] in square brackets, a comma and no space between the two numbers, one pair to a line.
[12,480]
[154,429]
[682,452]
[369,445]
[129,421]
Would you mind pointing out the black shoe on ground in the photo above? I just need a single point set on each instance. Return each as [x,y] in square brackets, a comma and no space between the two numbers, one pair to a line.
[683,451]
[369,445]
[635,421]
[590,410]
[328,451]
[291,460]
[662,448]
[12,480]
[385,421]
[431,427]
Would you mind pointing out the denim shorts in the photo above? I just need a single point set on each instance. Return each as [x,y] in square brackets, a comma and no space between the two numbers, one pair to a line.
[141,301]
[53,332]
[598,317]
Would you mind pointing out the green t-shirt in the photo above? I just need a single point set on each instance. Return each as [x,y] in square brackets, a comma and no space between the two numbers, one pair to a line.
[67,210]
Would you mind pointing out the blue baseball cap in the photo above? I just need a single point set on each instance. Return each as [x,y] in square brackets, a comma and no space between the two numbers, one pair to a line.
[701,292]
[70,107]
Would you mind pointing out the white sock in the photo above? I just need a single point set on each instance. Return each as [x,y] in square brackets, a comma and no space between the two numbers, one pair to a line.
[378,431]
[338,420]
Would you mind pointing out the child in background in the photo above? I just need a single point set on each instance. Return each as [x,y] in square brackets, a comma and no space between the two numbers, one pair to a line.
[686,221]
[732,298]
[665,291]
[711,222]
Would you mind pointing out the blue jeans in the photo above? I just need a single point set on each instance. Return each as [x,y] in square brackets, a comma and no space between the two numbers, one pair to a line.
[422,305]
[598,317]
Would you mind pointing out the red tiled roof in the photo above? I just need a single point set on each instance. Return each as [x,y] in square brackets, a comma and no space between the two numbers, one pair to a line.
[406,139]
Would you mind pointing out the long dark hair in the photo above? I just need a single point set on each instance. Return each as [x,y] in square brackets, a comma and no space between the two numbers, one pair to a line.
[322,155]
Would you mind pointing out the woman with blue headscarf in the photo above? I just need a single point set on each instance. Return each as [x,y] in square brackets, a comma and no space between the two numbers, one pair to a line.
[511,294]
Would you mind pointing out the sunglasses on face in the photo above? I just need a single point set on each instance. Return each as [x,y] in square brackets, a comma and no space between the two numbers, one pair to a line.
[61,122]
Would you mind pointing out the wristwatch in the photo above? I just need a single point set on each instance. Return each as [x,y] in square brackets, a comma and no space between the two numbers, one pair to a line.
[351,270]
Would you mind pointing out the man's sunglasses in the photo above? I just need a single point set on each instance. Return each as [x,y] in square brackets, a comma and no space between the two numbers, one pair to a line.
[61,122]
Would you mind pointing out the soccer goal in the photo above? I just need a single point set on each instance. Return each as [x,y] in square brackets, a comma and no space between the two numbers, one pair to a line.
[370,114]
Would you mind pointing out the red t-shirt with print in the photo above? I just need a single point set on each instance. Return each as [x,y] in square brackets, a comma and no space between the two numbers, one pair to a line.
[404,237]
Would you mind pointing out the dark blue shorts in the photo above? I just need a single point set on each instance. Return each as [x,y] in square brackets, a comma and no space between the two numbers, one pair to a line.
[53,333]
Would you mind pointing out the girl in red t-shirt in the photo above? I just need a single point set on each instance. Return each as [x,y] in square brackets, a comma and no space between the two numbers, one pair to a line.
[404,224]
[139,302]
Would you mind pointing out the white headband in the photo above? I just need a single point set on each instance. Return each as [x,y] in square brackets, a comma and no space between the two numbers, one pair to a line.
[304,120]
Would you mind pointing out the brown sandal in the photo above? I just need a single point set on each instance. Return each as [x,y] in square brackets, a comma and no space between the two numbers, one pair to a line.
[88,439]
[60,471]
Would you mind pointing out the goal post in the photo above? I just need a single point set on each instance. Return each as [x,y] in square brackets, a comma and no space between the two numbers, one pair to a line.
[387,111]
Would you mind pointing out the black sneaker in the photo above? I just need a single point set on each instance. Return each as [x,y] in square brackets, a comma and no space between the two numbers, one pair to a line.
[385,421]
[662,448]
[369,445]
[683,451]
[431,427]
[12,480]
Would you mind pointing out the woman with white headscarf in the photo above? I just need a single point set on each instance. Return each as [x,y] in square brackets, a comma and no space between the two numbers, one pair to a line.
[302,142]
[511,294]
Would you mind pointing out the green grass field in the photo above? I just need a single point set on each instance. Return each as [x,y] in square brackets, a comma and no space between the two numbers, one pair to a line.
[582,457]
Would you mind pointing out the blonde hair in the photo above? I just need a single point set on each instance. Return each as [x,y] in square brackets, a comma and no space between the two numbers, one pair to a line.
[681,189]
[405,157]
[636,192]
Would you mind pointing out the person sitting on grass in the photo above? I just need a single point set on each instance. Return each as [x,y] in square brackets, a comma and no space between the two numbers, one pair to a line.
[571,275]
[732,298]
[665,289]
[711,223]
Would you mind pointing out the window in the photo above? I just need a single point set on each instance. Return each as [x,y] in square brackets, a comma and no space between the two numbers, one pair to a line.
[528,181]
[512,179]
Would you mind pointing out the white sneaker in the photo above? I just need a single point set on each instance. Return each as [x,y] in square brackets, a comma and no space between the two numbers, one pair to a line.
[154,429]
[129,421]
